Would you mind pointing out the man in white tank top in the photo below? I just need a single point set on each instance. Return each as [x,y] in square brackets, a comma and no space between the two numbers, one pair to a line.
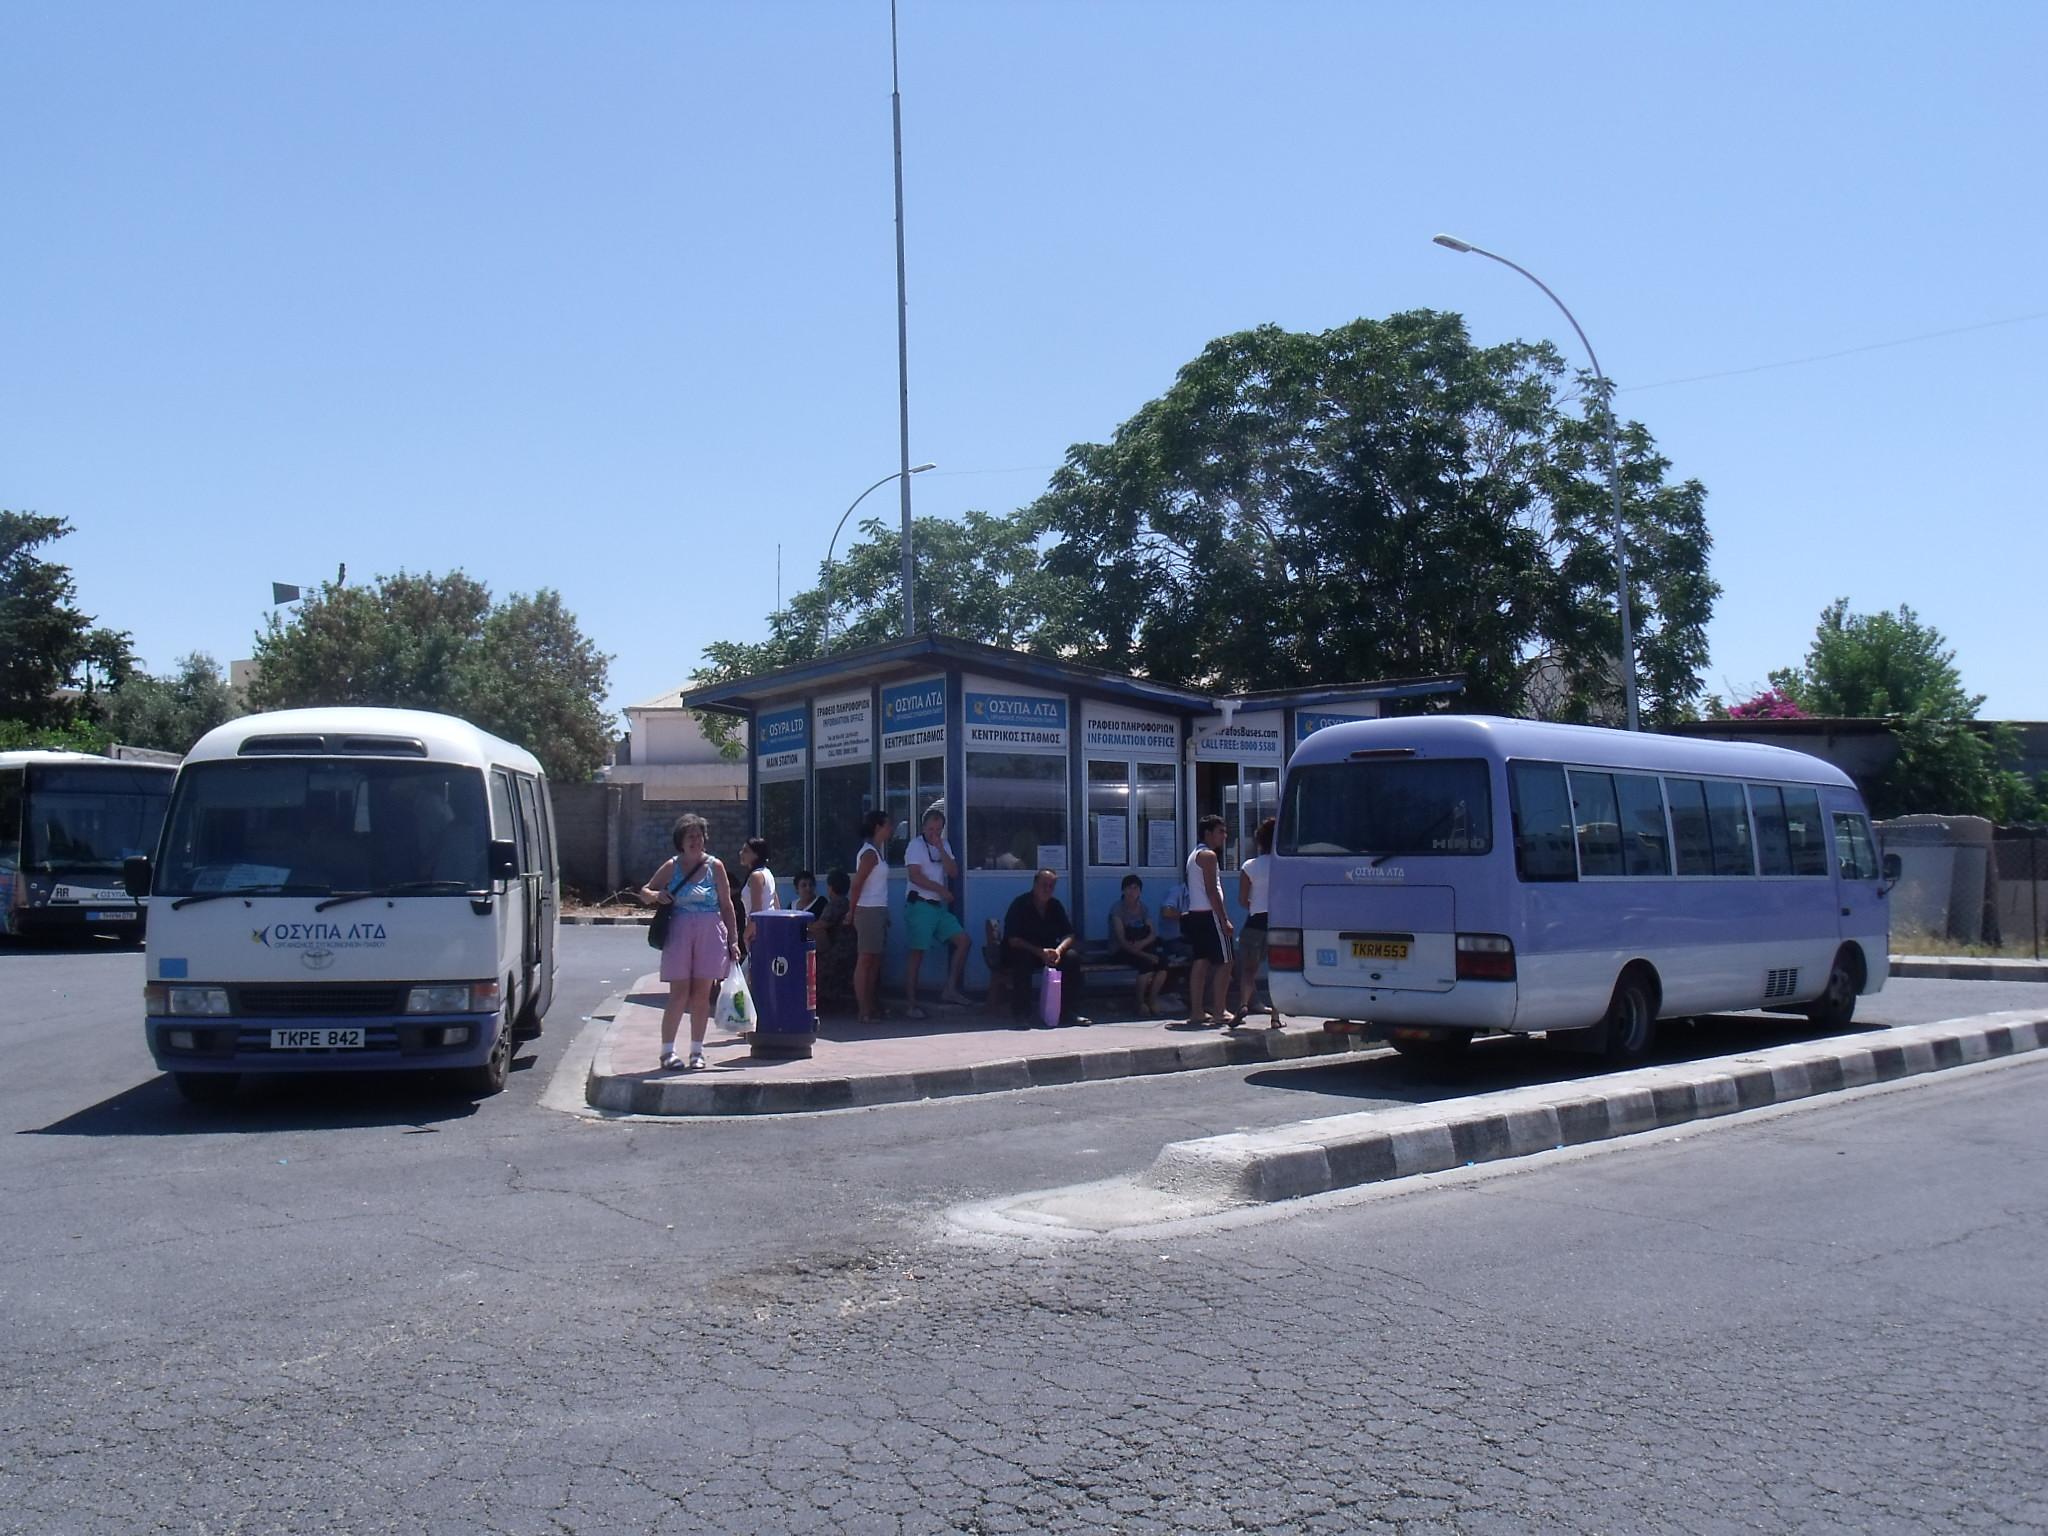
[1207,928]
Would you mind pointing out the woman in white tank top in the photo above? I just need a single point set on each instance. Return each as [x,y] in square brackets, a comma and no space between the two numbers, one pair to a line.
[870,896]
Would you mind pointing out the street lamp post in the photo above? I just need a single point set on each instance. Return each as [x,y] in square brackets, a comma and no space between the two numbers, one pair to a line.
[1628,637]
[825,636]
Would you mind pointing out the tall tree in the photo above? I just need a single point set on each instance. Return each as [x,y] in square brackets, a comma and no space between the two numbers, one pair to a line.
[170,713]
[43,636]
[1383,498]
[521,669]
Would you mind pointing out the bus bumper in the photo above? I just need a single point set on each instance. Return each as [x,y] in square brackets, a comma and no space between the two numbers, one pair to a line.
[414,1043]
[1466,1005]
[117,918]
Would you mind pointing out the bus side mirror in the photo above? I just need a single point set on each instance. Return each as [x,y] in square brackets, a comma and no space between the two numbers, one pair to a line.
[135,875]
[1894,870]
[504,859]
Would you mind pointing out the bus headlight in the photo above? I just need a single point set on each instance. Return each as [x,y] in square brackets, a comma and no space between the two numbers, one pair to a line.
[453,997]
[208,1002]
[1283,949]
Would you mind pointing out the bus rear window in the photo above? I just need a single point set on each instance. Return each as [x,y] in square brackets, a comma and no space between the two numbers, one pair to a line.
[1409,807]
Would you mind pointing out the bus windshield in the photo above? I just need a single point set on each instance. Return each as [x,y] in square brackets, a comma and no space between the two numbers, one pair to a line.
[1380,807]
[87,820]
[325,827]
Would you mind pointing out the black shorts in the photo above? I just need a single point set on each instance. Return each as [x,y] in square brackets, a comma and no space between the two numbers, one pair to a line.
[1204,937]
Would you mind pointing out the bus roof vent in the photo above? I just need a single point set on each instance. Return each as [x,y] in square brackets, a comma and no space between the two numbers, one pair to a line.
[265,746]
[382,746]
[1382,752]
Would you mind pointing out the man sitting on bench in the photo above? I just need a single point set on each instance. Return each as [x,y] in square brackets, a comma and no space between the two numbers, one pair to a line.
[1036,935]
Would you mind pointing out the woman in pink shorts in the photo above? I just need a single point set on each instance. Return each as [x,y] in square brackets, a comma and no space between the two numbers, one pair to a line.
[703,939]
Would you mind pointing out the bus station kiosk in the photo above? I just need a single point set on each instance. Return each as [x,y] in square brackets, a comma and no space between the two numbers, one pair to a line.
[1037,764]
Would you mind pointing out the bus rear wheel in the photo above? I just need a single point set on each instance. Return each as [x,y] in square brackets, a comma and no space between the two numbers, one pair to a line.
[209,1090]
[1836,1007]
[1631,1021]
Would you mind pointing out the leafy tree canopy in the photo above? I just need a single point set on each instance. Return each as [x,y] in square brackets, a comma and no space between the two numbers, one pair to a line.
[1380,499]
[170,713]
[521,668]
[46,643]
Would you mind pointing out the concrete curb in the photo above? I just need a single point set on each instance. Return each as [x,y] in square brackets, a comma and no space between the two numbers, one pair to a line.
[1311,1157]
[648,1093]
[1945,968]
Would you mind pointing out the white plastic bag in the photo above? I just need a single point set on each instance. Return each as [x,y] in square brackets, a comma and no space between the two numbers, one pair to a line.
[735,1002]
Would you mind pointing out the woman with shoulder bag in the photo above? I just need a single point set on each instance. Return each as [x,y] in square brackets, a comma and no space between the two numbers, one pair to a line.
[702,942]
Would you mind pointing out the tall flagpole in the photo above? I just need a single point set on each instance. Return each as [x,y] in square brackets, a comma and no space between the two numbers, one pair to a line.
[902,330]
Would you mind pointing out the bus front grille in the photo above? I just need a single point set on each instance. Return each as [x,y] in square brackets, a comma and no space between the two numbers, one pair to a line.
[335,1000]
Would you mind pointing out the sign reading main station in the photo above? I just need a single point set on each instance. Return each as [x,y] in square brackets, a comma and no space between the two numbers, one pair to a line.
[781,741]
[1019,722]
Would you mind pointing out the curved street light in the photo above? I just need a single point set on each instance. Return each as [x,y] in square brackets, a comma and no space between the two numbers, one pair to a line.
[825,636]
[1628,636]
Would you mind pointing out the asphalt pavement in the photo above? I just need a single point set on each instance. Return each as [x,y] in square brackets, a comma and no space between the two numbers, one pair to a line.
[372,1306]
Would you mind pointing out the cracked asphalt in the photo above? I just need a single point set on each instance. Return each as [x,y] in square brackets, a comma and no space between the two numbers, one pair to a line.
[370,1307]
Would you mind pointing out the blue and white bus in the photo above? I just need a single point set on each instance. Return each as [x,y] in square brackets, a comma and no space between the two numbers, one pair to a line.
[68,823]
[344,890]
[1457,874]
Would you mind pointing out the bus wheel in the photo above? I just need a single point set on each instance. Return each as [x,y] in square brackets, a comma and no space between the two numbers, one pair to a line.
[1836,1007]
[1631,1022]
[1441,1054]
[209,1090]
[483,1081]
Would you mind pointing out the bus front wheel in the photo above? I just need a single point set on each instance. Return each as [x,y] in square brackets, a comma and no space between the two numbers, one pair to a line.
[488,1079]
[209,1090]
[1836,1007]
[1631,1022]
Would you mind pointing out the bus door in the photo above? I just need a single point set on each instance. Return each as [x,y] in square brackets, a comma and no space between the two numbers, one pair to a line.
[532,874]
[1859,879]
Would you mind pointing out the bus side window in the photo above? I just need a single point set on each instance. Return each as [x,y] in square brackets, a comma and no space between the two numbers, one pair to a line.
[529,827]
[1543,822]
[1803,831]
[1598,821]
[1773,840]
[504,826]
[1855,852]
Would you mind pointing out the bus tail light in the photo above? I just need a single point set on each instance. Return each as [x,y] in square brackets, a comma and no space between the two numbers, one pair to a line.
[1486,957]
[1283,949]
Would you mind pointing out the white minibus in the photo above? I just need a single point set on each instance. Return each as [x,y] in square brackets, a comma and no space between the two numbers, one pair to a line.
[69,822]
[1443,876]
[349,890]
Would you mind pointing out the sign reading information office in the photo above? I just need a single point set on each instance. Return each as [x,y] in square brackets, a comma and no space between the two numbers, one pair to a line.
[845,729]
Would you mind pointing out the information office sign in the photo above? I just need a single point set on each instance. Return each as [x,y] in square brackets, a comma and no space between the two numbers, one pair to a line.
[1016,722]
[781,740]
[914,718]
[1308,721]
[1113,733]
[1249,738]
[845,729]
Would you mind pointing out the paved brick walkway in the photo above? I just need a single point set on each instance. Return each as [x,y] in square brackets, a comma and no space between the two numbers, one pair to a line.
[957,1050]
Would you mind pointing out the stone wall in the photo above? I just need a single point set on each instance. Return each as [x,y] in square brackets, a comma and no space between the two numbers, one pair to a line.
[611,836]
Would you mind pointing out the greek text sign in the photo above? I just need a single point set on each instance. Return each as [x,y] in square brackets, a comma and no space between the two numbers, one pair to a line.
[914,715]
[1018,722]
[845,729]
[1307,722]
[1107,731]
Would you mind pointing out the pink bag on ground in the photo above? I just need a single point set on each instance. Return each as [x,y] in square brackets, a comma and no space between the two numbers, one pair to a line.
[1049,999]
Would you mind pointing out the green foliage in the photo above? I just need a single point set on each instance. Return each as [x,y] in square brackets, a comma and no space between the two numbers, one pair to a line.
[1381,499]
[1893,667]
[520,668]
[45,642]
[1878,665]
[170,713]
[69,736]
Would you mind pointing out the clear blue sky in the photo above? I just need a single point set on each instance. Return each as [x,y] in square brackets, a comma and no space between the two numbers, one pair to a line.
[600,295]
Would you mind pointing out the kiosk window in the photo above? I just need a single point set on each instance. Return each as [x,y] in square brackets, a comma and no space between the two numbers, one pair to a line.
[843,793]
[1016,802]
[909,789]
[1109,814]
[782,823]
[1158,784]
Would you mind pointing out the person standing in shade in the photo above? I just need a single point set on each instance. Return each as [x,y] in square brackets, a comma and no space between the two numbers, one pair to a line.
[807,897]
[871,914]
[703,940]
[757,890]
[1254,879]
[1038,936]
[1207,927]
[927,910]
